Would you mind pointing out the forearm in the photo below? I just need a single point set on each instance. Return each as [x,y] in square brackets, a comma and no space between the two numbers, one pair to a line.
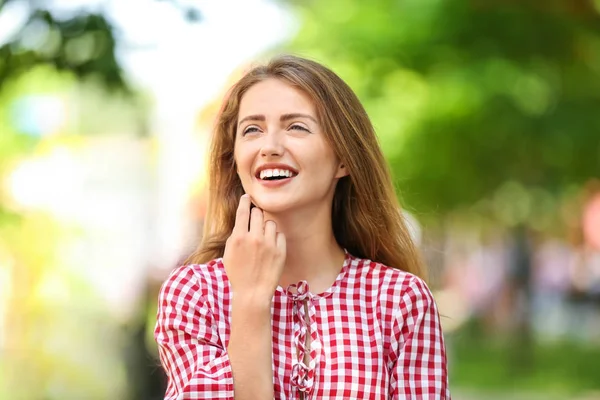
[250,350]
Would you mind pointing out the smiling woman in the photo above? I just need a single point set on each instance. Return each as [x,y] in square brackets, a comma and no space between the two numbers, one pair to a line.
[285,136]
[318,291]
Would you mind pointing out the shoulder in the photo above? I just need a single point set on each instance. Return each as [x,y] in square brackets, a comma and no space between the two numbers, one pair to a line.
[194,280]
[395,287]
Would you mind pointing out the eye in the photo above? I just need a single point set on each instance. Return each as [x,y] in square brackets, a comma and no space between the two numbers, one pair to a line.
[250,129]
[299,127]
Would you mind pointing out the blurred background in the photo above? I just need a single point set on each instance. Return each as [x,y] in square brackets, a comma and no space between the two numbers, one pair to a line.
[488,112]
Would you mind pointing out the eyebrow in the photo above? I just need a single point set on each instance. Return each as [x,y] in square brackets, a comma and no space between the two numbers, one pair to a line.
[284,117]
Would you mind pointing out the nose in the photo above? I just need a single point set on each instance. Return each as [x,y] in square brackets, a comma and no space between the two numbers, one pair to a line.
[272,145]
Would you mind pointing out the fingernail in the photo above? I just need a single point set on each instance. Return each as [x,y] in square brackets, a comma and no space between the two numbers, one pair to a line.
[245,195]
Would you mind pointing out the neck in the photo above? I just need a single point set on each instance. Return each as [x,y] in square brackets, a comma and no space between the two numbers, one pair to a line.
[312,253]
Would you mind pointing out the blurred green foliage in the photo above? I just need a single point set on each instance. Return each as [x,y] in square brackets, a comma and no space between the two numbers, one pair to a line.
[54,318]
[492,362]
[49,299]
[468,96]
[84,43]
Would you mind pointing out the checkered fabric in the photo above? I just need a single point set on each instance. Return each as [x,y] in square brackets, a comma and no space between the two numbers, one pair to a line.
[374,334]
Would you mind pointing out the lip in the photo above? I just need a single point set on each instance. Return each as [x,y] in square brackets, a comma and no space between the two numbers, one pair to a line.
[274,184]
[278,182]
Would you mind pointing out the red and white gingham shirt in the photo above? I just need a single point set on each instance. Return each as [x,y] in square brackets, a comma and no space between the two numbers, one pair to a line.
[375,334]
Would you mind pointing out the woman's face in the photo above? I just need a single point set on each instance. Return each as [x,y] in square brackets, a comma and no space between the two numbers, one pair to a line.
[283,159]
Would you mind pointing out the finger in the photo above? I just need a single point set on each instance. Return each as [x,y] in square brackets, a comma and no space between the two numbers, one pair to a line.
[257,224]
[242,215]
[270,231]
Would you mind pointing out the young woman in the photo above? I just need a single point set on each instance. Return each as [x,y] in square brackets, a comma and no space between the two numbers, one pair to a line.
[307,284]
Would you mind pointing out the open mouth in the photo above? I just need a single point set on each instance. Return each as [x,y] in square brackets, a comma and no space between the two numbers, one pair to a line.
[275,174]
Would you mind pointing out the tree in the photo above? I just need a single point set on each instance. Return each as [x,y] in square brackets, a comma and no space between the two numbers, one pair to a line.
[470,95]
[84,44]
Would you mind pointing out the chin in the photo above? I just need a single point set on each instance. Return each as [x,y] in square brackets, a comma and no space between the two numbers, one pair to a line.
[272,207]
[271,204]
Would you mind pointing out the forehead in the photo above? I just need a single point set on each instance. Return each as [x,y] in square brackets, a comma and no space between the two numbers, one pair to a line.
[275,96]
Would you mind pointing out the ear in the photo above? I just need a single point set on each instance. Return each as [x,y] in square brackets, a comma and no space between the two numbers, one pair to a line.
[341,171]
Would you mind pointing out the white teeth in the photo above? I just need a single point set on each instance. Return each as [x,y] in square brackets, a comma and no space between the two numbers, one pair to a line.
[269,173]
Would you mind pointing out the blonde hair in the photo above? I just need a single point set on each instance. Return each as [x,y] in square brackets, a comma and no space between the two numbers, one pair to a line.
[366,215]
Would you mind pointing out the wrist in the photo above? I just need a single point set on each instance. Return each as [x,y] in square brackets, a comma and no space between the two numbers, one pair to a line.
[252,300]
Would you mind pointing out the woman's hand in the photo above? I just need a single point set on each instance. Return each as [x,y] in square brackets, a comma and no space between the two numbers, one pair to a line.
[254,254]
[254,258]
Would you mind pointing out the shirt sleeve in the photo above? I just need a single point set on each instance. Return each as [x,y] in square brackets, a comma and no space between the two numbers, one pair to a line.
[419,365]
[192,353]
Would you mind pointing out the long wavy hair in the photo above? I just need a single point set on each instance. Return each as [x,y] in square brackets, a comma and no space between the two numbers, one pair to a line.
[366,215]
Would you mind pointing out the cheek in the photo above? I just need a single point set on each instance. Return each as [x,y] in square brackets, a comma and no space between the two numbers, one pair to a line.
[325,159]
[243,162]
[237,158]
